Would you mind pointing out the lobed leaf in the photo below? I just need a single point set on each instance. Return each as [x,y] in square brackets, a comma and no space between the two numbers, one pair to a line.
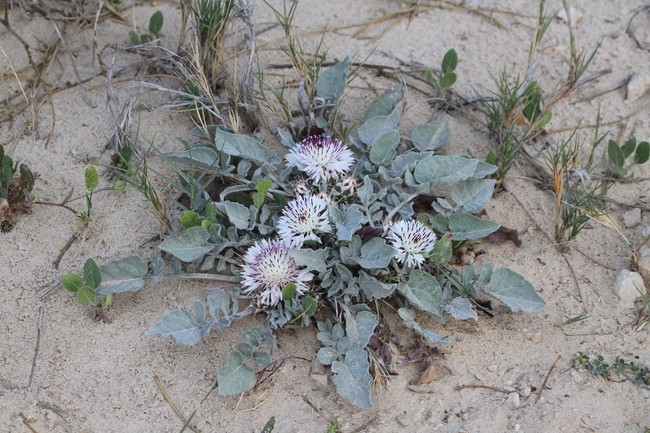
[424,292]
[352,379]
[235,377]
[430,136]
[514,290]
[181,325]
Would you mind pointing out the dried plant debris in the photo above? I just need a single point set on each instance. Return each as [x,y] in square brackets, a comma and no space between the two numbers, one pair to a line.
[16,183]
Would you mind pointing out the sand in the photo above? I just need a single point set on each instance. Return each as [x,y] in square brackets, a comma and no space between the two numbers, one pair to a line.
[61,370]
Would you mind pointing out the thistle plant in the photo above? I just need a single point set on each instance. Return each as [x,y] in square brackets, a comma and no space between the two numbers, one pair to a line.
[324,238]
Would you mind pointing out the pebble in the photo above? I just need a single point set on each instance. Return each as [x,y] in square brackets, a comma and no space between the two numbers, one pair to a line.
[638,86]
[535,336]
[403,420]
[525,391]
[576,376]
[513,399]
[643,262]
[629,286]
[632,217]
[321,379]
[492,368]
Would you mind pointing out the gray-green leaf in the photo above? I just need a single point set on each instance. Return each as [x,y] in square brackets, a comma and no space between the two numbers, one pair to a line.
[331,83]
[430,136]
[181,325]
[235,377]
[188,245]
[514,290]
[444,170]
[374,254]
[352,379]
[313,260]
[346,223]
[408,316]
[373,288]
[472,195]
[238,214]
[468,227]
[360,328]
[424,292]
[461,309]
[123,275]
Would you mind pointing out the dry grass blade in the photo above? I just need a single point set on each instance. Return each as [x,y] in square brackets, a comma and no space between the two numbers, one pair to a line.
[171,403]
[550,370]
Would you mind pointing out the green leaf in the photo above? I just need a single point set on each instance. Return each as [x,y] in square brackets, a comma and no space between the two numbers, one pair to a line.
[424,292]
[144,38]
[373,288]
[309,305]
[449,61]
[181,325]
[385,103]
[261,358]
[444,170]
[346,223]
[288,291]
[123,275]
[642,153]
[514,290]
[332,81]
[133,36]
[72,282]
[615,154]
[468,227]
[27,177]
[188,245]
[447,80]
[442,251]
[237,214]
[544,120]
[235,377]
[429,75]
[472,195]
[85,295]
[188,218]
[628,147]
[327,355]
[352,379]
[491,158]
[430,136]
[263,187]
[92,275]
[156,22]
[408,316]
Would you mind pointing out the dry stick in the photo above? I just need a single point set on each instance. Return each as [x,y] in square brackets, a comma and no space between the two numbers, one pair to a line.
[575,277]
[304,397]
[493,388]
[29,426]
[65,248]
[171,403]
[38,345]
[541,389]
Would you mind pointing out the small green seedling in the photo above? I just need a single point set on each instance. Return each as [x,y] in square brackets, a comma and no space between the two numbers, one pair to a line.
[614,159]
[155,26]
[86,293]
[92,182]
[598,367]
[14,191]
[446,77]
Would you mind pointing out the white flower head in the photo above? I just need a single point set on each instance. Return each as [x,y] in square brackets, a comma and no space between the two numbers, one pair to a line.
[268,268]
[410,239]
[321,157]
[301,218]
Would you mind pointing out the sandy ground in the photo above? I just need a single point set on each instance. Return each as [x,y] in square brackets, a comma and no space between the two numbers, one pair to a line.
[91,376]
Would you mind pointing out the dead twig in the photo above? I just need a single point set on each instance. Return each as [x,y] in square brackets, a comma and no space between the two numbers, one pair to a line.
[38,345]
[65,248]
[550,370]
[478,385]
[171,403]
[27,423]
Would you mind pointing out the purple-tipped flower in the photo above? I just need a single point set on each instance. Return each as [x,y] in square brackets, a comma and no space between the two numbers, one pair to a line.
[269,268]
[321,158]
[301,218]
[410,239]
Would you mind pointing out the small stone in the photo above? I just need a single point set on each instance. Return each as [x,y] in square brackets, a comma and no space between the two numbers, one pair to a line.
[317,367]
[321,379]
[643,261]
[638,86]
[525,392]
[513,399]
[403,420]
[632,217]
[629,286]
[576,376]
[575,17]
[535,336]
[509,388]
[493,368]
